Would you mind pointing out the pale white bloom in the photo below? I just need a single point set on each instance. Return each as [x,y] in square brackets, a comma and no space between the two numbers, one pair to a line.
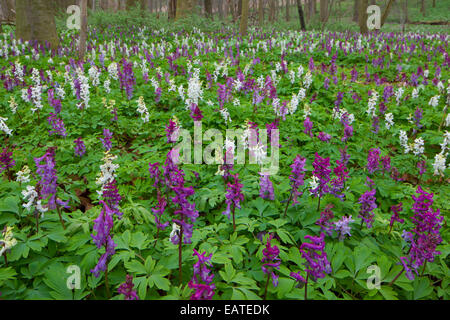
[404,141]
[447,120]
[371,104]
[106,85]
[29,195]
[314,183]
[446,143]
[434,101]
[4,127]
[236,102]
[426,73]
[225,115]
[418,147]
[181,92]
[113,72]
[12,104]
[8,241]
[107,171]
[60,93]
[439,164]
[389,118]
[23,175]
[94,75]
[142,109]
[307,80]
[415,93]
[175,230]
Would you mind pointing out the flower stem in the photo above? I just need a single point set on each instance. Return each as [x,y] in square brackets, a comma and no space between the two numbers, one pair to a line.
[234,220]
[306,287]
[157,237]
[287,204]
[423,269]
[267,284]
[396,277]
[180,258]
[108,294]
[60,217]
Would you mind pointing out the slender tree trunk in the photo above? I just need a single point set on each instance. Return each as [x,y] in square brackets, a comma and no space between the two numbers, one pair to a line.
[362,16]
[301,15]
[323,10]
[355,11]
[386,12]
[422,7]
[83,30]
[260,12]
[244,18]
[287,10]
[208,9]
[172,9]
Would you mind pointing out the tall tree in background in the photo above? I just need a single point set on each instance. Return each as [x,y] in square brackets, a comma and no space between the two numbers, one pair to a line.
[386,12]
[208,9]
[260,12]
[83,31]
[301,15]
[422,7]
[172,10]
[362,16]
[355,11]
[184,8]
[244,18]
[272,8]
[323,10]
[35,20]
[288,2]
[6,12]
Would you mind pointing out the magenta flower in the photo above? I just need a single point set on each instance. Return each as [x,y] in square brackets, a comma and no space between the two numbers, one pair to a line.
[202,279]
[234,196]
[338,183]
[107,135]
[325,137]
[271,260]
[112,197]
[425,236]
[46,170]
[57,125]
[172,132]
[6,161]
[395,215]
[321,171]
[103,226]
[266,188]
[324,222]
[126,78]
[80,148]
[368,204]
[373,160]
[317,264]
[308,126]
[127,289]
[297,176]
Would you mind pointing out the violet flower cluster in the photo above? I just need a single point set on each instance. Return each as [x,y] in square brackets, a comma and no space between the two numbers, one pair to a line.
[127,289]
[368,204]
[373,160]
[202,279]
[271,260]
[322,172]
[425,235]
[324,222]
[46,170]
[337,184]
[343,227]
[57,125]
[107,135]
[297,176]
[6,161]
[103,226]
[80,148]
[266,188]
[234,195]
[317,264]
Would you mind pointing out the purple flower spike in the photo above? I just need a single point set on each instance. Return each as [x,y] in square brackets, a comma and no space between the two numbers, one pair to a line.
[127,289]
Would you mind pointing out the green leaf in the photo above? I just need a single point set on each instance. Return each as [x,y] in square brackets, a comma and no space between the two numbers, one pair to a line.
[135,266]
[422,288]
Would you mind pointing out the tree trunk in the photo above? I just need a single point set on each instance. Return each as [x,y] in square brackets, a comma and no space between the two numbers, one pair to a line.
[172,10]
[83,31]
[323,10]
[301,15]
[208,9]
[287,10]
[184,8]
[355,11]
[362,16]
[422,7]
[260,12]
[35,21]
[244,18]
[386,12]
[271,10]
